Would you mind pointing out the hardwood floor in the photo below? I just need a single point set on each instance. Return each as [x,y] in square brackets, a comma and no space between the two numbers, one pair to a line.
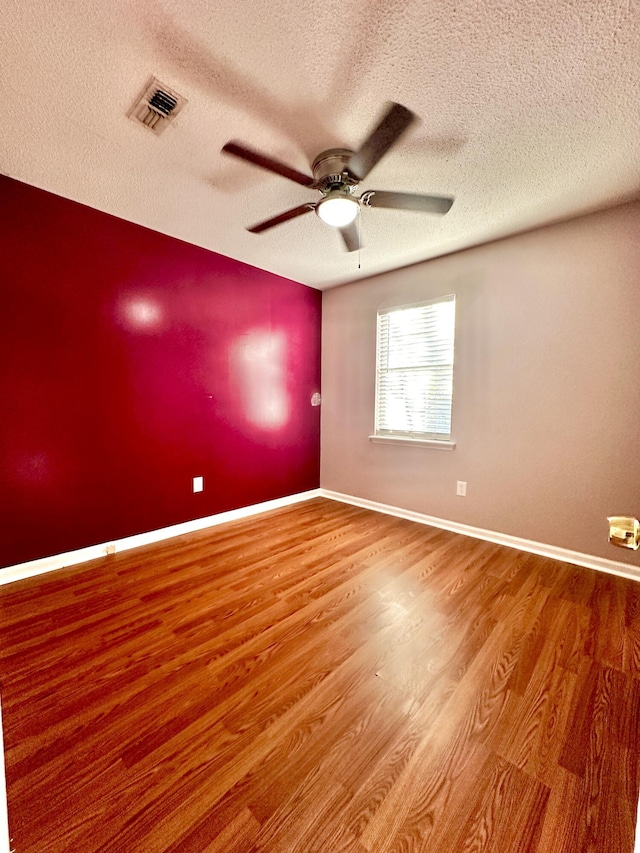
[317,679]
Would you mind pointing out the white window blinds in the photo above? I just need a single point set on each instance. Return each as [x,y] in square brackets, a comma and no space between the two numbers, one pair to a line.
[414,377]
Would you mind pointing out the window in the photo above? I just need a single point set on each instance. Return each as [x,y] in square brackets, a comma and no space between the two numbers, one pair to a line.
[414,376]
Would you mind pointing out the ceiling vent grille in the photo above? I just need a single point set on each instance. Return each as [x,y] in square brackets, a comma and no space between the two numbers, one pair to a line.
[157,106]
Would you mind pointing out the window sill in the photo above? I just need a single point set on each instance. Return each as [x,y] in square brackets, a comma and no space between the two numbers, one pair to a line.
[432,443]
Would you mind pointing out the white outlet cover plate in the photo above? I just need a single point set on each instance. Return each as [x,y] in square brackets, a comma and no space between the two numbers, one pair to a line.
[461,488]
[198,484]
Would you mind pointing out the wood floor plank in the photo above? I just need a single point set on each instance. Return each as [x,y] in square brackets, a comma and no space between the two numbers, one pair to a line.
[539,716]
[579,726]
[321,679]
[238,834]
[508,814]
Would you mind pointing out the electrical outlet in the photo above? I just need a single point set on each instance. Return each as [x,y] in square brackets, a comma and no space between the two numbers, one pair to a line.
[461,488]
[198,484]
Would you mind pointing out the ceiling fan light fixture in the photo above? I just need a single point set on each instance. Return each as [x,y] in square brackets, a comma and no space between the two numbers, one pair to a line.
[338,209]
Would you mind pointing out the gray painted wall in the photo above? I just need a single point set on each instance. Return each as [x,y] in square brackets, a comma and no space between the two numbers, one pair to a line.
[546,411]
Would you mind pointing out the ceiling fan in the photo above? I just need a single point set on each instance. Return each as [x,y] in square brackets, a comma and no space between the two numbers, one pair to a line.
[336,175]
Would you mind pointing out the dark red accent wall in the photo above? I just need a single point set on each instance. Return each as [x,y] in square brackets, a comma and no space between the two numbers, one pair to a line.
[131,362]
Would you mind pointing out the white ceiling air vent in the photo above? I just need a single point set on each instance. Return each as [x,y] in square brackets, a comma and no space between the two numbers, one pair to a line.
[157,106]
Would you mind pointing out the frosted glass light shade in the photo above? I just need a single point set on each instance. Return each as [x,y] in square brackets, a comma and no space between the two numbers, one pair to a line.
[338,209]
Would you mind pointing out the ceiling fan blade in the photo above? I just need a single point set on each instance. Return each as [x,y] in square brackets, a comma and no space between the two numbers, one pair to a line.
[407,201]
[237,149]
[351,237]
[393,124]
[282,217]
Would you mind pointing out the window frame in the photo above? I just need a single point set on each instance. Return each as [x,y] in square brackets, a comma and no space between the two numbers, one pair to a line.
[442,441]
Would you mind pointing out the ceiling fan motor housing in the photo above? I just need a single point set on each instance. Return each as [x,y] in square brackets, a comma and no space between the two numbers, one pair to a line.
[330,170]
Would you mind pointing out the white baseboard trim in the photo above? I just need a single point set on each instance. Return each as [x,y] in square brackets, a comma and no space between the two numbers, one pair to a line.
[32,568]
[94,552]
[600,564]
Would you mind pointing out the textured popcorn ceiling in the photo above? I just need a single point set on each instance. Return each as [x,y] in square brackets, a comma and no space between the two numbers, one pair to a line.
[530,113]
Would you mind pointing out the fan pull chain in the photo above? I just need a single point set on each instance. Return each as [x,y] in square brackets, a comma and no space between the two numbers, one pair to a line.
[359,235]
